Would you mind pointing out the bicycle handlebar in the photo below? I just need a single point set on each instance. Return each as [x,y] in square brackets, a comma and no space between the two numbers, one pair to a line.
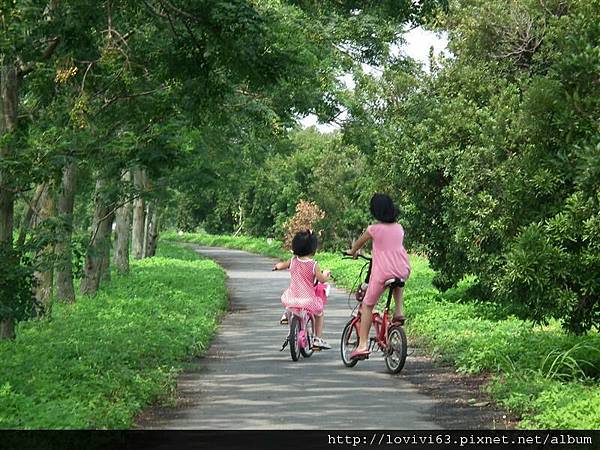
[358,255]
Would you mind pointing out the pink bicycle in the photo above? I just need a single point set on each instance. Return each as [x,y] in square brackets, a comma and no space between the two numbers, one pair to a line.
[389,338]
[301,335]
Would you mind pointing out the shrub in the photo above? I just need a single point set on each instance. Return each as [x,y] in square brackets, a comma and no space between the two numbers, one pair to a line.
[16,285]
[306,216]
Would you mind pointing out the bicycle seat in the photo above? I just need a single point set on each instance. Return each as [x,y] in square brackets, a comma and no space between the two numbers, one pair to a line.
[394,283]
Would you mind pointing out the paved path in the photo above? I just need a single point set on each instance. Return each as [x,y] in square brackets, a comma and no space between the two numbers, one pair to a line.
[244,382]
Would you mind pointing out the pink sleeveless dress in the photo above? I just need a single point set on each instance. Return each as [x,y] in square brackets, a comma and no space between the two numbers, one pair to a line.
[301,292]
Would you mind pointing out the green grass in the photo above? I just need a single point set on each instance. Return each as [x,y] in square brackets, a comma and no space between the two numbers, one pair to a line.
[543,375]
[267,247]
[98,362]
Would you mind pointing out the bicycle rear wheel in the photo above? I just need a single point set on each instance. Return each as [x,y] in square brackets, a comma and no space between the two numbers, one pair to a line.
[349,343]
[293,338]
[309,333]
[395,355]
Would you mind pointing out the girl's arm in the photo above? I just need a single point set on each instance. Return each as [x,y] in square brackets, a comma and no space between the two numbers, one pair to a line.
[362,240]
[322,277]
[282,265]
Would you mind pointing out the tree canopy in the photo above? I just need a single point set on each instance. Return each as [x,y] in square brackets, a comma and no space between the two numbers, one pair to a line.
[178,113]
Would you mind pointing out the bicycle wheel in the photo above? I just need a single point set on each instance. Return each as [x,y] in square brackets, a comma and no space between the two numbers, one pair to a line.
[395,355]
[309,332]
[293,338]
[349,343]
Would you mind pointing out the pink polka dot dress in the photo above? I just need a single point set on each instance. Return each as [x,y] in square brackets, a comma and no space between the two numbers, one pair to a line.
[301,292]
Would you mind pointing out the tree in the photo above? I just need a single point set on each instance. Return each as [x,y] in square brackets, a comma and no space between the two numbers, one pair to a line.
[489,154]
[89,91]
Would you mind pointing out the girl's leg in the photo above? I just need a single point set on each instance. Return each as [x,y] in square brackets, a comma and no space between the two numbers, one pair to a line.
[319,321]
[366,318]
[399,297]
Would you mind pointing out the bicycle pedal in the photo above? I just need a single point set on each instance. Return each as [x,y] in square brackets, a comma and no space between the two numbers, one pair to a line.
[316,349]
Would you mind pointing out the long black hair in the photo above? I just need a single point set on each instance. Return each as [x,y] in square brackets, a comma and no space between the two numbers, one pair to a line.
[383,208]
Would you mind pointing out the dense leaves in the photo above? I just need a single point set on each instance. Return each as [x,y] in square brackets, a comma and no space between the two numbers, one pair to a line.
[193,94]
[494,154]
[16,283]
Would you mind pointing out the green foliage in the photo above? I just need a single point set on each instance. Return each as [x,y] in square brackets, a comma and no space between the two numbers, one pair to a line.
[494,155]
[550,404]
[547,377]
[102,359]
[16,284]
[196,93]
[261,194]
[319,169]
[268,247]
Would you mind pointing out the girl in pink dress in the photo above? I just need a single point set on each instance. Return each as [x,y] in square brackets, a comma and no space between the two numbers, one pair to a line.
[304,271]
[390,260]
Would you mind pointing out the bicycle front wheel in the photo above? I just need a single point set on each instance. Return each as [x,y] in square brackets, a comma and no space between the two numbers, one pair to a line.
[395,355]
[293,338]
[309,334]
[349,342]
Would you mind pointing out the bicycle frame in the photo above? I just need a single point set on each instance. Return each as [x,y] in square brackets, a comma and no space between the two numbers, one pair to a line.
[381,323]
[300,336]
[381,320]
[304,317]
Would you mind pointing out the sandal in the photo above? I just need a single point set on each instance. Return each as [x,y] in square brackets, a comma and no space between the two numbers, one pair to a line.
[360,354]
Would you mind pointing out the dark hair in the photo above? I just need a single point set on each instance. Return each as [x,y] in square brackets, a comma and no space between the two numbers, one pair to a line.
[304,243]
[383,208]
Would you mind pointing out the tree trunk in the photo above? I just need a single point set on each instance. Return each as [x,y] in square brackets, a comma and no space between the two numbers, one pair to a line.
[28,217]
[9,87]
[96,249]
[65,290]
[138,216]
[7,329]
[149,211]
[105,268]
[152,233]
[122,229]
[44,275]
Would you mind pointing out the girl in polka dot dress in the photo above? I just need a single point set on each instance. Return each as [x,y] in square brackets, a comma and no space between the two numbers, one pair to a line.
[304,271]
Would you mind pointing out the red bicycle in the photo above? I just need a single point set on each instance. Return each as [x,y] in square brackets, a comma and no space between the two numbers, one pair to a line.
[389,338]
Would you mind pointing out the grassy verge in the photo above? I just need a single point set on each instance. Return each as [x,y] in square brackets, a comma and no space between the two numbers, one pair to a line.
[545,376]
[97,362]
[267,247]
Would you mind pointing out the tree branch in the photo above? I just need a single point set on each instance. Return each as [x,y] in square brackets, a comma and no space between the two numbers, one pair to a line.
[47,53]
[154,11]
[109,214]
[128,97]
[33,209]
[179,12]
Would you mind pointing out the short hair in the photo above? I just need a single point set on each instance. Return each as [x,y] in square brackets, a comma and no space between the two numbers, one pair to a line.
[383,208]
[304,243]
